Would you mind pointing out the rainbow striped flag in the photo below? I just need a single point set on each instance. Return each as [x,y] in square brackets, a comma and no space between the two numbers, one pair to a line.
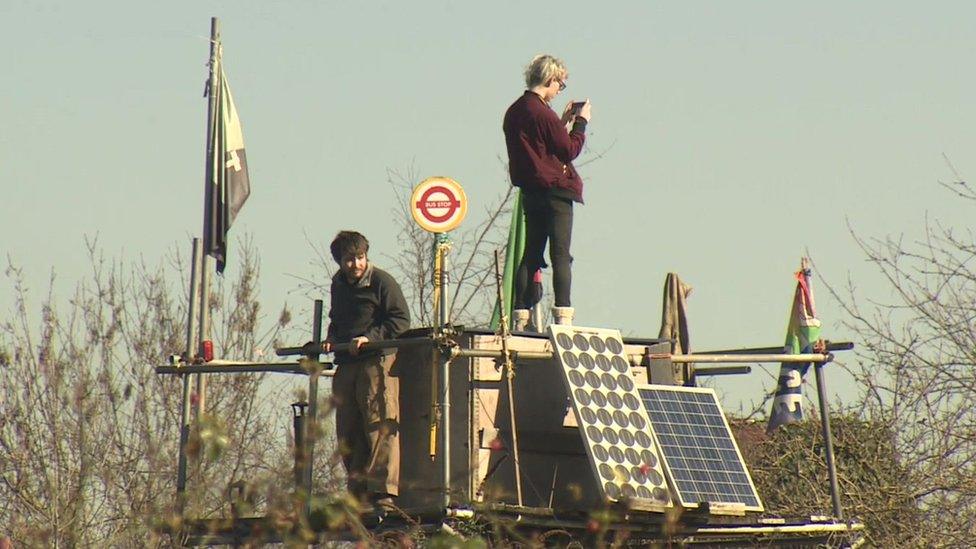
[801,334]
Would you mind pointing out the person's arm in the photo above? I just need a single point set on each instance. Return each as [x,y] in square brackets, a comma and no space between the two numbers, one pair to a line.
[565,146]
[330,331]
[396,313]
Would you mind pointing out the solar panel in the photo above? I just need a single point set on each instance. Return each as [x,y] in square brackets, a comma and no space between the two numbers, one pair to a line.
[700,454]
[614,425]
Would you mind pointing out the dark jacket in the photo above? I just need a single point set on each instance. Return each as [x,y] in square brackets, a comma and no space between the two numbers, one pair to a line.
[373,307]
[540,151]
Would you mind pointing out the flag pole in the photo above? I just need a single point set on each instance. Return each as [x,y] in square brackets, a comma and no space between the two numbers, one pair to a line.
[208,262]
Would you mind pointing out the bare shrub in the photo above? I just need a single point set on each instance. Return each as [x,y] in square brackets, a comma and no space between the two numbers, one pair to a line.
[789,469]
[915,364]
[89,432]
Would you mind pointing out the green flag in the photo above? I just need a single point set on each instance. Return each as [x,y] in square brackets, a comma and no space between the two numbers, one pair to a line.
[513,256]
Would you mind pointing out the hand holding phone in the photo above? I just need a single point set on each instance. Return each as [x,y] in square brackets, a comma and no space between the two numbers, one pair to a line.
[576,109]
[584,109]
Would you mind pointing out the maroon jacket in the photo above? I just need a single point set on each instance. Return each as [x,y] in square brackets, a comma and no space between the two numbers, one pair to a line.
[540,151]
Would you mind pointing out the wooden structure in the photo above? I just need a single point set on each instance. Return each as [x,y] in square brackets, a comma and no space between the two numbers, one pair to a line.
[553,464]
[559,491]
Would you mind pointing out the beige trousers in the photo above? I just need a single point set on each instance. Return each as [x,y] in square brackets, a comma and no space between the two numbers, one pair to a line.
[367,401]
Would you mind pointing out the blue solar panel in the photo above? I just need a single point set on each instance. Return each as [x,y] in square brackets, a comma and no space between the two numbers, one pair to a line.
[699,452]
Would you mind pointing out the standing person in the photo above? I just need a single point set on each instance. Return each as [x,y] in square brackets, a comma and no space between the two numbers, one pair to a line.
[367,305]
[540,162]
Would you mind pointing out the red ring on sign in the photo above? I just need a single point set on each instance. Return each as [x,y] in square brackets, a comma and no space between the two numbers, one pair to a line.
[452,207]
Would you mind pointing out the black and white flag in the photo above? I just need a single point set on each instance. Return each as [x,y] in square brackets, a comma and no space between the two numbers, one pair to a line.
[227,182]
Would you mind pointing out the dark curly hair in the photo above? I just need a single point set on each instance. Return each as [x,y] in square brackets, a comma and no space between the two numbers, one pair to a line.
[348,242]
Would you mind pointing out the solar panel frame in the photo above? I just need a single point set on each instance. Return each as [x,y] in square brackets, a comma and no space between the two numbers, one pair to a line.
[692,449]
[637,475]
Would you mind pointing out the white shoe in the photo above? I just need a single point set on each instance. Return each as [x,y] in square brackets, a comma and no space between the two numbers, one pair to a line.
[563,315]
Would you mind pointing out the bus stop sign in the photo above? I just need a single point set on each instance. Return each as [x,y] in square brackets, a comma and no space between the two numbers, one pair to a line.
[438,204]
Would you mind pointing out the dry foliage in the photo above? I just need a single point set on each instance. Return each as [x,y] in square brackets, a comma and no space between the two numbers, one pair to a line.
[916,365]
[89,432]
[789,469]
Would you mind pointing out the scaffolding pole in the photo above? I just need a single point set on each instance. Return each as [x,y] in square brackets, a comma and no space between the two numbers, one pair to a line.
[637,359]
[311,420]
[828,440]
[191,346]
[509,376]
[444,321]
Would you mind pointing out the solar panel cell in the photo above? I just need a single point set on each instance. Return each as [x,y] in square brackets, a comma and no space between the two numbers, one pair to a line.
[588,415]
[643,440]
[597,344]
[626,437]
[593,380]
[625,383]
[576,378]
[631,402]
[655,477]
[595,434]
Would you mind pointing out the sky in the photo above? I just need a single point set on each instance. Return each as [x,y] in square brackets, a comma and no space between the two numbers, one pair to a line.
[727,139]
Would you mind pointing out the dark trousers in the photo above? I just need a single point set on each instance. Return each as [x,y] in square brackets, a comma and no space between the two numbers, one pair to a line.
[367,400]
[549,218]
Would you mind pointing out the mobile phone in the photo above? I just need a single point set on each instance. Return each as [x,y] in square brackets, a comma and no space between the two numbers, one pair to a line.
[577,106]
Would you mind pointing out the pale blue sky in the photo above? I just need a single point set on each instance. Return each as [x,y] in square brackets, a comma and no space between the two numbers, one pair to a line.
[737,135]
